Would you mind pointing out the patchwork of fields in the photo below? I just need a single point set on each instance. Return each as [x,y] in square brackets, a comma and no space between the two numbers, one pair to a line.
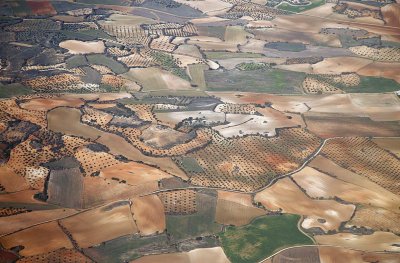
[221,131]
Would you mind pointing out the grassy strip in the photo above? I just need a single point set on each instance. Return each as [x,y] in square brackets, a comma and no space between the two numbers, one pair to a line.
[262,237]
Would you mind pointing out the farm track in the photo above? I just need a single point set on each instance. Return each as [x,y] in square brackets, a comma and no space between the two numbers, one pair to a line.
[187,188]
[317,246]
[294,13]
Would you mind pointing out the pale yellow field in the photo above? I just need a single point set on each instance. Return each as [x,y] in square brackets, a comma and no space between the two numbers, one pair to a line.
[48,104]
[38,239]
[18,222]
[11,181]
[286,196]
[378,241]
[390,144]
[200,255]
[236,209]
[101,224]
[133,173]
[329,167]
[318,184]
[81,47]
[338,255]
[376,218]
[148,212]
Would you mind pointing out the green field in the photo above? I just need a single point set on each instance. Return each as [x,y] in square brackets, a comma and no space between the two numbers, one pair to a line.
[275,81]
[76,61]
[297,9]
[126,248]
[190,164]
[114,65]
[262,237]
[14,89]
[373,85]
[199,224]
[367,85]
[286,46]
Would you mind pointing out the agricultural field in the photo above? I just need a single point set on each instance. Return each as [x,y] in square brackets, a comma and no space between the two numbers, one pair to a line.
[220,131]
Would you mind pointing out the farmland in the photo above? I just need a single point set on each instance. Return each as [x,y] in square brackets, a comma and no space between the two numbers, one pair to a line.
[226,131]
[249,243]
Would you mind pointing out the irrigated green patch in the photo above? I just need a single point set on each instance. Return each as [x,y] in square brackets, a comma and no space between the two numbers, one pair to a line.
[275,81]
[262,237]
[373,85]
[301,8]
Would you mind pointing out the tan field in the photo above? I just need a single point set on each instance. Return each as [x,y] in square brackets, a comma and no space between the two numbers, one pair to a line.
[376,219]
[381,69]
[391,14]
[48,104]
[71,124]
[116,144]
[214,45]
[156,79]
[200,255]
[158,136]
[236,209]
[281,103]
[317,184]
[101,224]
[133,173]
[239,198]
[99,191]
[148,212]
[81,47]
[18,222]
[329,167]
[122,19]
[338,255]
[232,213]
[211,7]
[390,144]
[206,20]
[295,201]
[24,196]
[378,241]
[339,65]
[11,181]
[38,239]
